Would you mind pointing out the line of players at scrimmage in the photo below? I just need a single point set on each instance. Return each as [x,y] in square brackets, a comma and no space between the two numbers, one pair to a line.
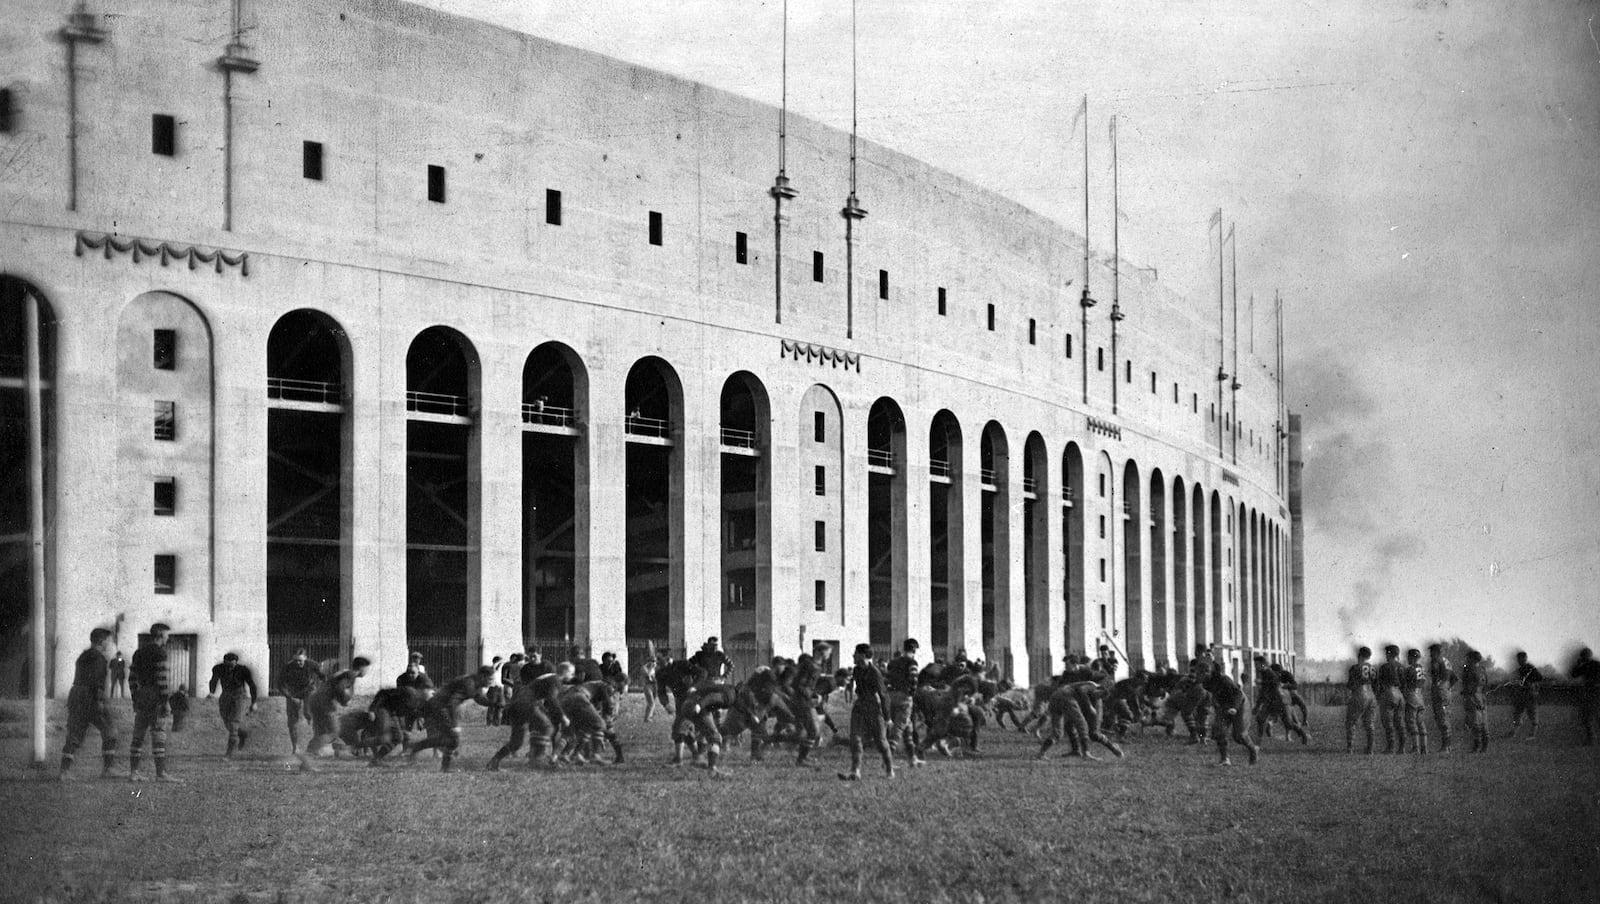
[902,707]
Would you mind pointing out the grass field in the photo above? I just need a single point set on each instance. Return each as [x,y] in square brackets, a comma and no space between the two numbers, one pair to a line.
[1521,823]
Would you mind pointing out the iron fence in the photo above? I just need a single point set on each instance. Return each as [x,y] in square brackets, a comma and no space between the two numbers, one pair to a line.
[280,649]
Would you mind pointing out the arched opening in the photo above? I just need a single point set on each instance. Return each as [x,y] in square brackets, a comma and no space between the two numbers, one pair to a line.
[653,399]
[27,481]
[555,492]
[1221,607]
[1158,569]
[1133,625]
[441,508]
[1103,584]
[745,441]
[308,488]
[1036,557]
[1072,508]
[994,469]
[946,584]
[886,523]
[1182,644]
[820,456]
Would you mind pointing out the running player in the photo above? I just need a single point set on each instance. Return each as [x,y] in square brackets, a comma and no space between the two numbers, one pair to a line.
[534,713]
[296,680]
[1230,717]
[901,677]
[1273,703]
[442,715]
[235,680]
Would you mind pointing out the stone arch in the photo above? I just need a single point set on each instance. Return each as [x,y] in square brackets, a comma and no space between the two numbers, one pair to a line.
[887,547]
[1036,560]
[654,567]
[556,515]
[946,539]
[994,468]
[745,508]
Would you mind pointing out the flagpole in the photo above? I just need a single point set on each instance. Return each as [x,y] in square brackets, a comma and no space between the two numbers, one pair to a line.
[852,208]
[1222,368]
[781,190]
[1085,301]
[1116,263]
[1233,386]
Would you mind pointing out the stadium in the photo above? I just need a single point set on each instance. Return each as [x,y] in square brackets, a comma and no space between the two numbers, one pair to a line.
[362,327]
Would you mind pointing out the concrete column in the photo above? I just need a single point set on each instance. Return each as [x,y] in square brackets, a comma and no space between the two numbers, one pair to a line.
[853,484]
[1011,591]
[601,616]
[499,558]
[376,470]
[914,618]
[697,514]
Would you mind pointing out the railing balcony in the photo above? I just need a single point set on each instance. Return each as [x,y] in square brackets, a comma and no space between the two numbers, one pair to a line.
[1067,496]
[736,438]
[1030,484]
[437,403]
[989,477]
[1127,508]
[880,458]
[314,391]
[545,415]
[938,467]
[639,425]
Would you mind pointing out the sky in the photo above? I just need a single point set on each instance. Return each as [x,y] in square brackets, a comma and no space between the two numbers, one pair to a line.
[1420,180]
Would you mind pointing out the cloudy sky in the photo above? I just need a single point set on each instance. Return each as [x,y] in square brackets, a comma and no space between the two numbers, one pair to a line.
[1421,180]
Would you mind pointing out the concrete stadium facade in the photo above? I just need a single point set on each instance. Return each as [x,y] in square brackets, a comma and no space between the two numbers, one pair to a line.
[368,327]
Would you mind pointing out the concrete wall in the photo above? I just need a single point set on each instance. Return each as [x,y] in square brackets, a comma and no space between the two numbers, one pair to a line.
[390,89]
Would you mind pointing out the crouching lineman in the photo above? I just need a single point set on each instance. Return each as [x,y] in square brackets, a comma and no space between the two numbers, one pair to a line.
[1075,709]
[534,713]
[1273,703]
[392,709]
[696,722]
[589,709]
[442,715]
[87,704]
[324,704]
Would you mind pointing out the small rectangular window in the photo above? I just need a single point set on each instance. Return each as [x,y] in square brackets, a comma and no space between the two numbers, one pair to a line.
[7,111]
[822,595]
[821,481]
[741,248]
[166,426]
[166,495]
[1032,332]
[1174,393]
[883,285]
[1102,486]
[819,426]
[1102,580]
[1102,607]
[166,573]
[165,349]
[163,135]
[822,536]
[1100,360]
[1152,382]
[1211,412]
[991,318]
[1194,402]
[436,184]
[816,266]
[552,207]
[1127,369]
[1102,527]
[941,301]
[655,227]
[311,160]
[1069,345]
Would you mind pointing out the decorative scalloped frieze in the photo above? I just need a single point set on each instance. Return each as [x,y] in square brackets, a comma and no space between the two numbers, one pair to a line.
[819,354]
[167,251]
